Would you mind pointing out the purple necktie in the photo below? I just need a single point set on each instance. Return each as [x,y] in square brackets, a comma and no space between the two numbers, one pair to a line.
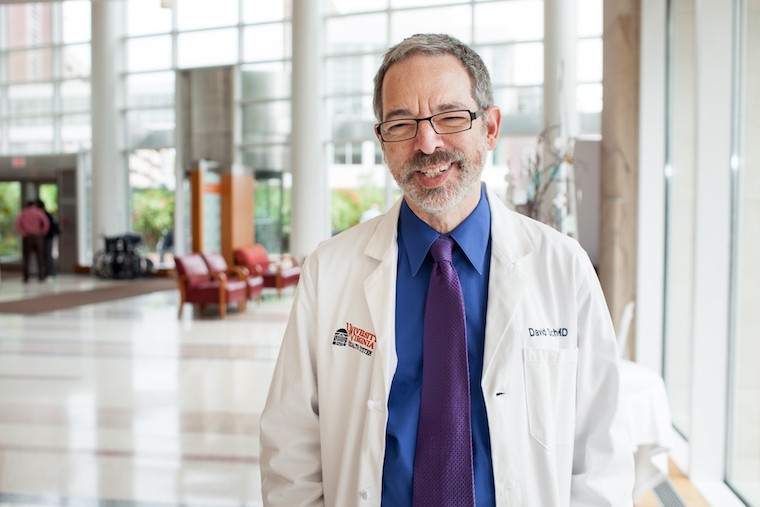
[443,475]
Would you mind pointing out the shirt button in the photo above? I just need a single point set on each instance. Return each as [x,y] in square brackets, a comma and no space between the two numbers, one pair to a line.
[375,404]
[366,493]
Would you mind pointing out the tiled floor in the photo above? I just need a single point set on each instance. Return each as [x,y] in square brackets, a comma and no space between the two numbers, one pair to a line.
[120,404]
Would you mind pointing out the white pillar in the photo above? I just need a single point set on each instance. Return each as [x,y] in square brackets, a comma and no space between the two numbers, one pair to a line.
[110,177]
[310,216]
[560,34]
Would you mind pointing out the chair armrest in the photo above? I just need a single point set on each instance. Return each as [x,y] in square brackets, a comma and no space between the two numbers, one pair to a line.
[184,278]
[292,258]
[254,269]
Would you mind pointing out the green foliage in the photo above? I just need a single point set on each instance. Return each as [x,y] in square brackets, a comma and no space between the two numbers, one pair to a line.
[348,204]
[10,201]
[152,214]
[49,195]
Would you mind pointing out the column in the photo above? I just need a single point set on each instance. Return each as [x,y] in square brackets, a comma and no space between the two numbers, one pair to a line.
[620,162]
[310,216]
[560,111]
[560,54]
[110,176]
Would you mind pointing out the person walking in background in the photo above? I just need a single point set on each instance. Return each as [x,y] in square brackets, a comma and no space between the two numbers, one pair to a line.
[32,225]
[52,232]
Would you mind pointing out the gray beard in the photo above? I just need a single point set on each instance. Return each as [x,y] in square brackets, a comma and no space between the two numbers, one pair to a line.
[442,199]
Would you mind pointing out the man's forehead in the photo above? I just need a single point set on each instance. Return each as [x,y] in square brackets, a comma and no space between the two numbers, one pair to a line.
[439,82]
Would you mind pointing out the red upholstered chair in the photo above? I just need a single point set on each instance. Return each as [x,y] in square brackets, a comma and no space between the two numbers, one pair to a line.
[217,264]
[278,273]
[198,285]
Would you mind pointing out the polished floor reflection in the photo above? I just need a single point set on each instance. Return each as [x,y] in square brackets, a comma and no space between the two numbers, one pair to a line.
[122,404]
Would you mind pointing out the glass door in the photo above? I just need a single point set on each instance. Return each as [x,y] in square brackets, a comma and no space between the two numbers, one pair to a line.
[743,463]
[680,210]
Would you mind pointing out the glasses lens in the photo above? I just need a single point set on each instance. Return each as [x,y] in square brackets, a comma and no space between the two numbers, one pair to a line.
[452,121]
[398,130]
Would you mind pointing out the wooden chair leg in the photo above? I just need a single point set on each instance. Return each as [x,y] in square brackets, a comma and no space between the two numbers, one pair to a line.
[222,304]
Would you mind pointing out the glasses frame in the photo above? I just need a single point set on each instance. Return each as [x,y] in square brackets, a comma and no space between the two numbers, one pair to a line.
[473,116]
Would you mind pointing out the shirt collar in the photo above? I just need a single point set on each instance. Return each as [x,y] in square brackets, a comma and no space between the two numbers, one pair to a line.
[471,235]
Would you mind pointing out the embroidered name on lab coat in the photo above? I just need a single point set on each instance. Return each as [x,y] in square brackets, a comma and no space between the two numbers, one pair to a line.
[356,338]
[547,331]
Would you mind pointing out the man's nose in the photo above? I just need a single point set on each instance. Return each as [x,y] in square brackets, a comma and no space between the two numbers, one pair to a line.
[427,140]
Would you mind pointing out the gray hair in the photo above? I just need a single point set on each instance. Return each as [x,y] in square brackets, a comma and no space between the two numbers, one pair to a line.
[436,44]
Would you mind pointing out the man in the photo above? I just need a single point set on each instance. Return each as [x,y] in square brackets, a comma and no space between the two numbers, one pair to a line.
[32,225]
[385,339]
[52,232]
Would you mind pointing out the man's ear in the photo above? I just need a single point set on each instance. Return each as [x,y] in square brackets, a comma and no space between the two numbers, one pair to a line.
[493,125]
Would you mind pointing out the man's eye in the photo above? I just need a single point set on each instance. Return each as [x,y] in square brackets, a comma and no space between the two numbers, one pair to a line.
[453,119]
[397,127]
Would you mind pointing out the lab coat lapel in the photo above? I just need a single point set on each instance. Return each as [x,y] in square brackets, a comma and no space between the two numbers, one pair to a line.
[507,282]
[380,294]
[380,290]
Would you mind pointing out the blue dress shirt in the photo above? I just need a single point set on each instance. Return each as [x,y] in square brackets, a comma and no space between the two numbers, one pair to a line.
[472,260]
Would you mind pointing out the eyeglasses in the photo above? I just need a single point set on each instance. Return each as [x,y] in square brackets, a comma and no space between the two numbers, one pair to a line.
[449,122]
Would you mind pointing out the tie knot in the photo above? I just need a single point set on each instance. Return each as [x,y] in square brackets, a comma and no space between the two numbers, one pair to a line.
[441,249]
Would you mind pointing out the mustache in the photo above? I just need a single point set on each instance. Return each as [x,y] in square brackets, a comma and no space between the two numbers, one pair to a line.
[422,160]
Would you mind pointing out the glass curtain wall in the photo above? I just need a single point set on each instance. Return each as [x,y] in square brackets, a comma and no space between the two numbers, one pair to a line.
[743,471]
[45,77]
[509,37]
[254,36]
[680,210]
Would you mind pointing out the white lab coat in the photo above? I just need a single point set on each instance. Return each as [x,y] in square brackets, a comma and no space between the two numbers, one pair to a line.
[550,376]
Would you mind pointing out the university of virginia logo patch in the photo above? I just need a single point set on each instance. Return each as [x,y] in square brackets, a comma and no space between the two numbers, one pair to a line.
[356,338]
[340,337]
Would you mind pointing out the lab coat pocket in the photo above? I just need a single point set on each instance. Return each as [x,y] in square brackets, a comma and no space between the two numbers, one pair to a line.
[550,392]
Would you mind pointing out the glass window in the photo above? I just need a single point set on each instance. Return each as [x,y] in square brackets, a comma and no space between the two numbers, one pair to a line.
[261,83]
[151,128]
[420,3]
[149,53]
[30,99]
[207,48]
[76,132]
[351,117]
[30,65]
[76,60]
[150,89]
[266,42]
[456,21]
[274,157]
[590,107]
[350,6]
[515,20]
[521,109]
[31,135]
[76,21]
[195,14]
[589,60]
[357,34]
[146,17]
[75,96]
[256,11]
[32,24]
[10,204]
[352,74]
[515,64]
[680,212]
[743,463]
[590,18]
[268,122]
